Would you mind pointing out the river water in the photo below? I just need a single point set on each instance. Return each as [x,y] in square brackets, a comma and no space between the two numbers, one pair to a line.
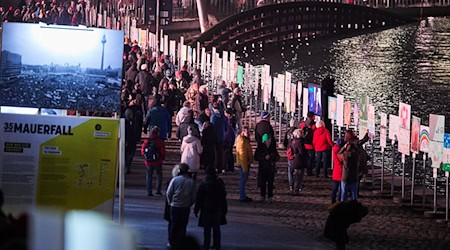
[410,63]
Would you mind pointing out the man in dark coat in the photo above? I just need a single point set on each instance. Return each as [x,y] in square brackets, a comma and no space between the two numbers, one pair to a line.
[212,204]
[266,157]
[209,142]
[264,127]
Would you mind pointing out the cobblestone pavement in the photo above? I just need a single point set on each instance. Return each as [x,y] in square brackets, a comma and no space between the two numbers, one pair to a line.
[387,226]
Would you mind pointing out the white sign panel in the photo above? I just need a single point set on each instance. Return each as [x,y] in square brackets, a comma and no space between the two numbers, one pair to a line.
[340,111]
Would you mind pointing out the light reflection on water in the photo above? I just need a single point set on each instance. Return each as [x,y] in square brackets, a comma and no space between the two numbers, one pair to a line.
[410,63]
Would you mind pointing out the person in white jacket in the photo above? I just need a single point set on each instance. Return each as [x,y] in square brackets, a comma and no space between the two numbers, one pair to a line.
[183,113]
[191,149]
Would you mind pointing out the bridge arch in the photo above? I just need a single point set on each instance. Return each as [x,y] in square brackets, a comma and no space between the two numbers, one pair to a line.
[295,20]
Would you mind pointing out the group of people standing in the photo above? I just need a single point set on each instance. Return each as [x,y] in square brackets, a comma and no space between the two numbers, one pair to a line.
[310,142]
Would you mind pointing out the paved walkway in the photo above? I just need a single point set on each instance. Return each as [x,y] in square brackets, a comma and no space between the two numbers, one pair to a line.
[290,222]
[248,227]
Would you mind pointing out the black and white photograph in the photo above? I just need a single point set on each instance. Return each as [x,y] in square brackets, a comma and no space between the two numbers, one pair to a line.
[61,67]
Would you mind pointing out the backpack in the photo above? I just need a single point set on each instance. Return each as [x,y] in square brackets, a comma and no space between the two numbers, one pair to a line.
[151,151]
[308,135]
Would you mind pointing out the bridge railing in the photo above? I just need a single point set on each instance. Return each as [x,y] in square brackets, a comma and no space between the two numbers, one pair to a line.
[188,8]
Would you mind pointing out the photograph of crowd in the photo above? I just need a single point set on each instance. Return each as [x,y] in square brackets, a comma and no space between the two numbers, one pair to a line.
[62,67]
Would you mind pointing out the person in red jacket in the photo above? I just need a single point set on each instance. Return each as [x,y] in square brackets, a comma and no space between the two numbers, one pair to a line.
[337,171]
[308,127]
[154,152]
[322,144]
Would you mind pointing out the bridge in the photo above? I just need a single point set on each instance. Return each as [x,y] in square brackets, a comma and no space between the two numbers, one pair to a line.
[296,21]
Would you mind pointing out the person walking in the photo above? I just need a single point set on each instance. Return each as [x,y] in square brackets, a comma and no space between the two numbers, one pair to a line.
[267,156]
[244,157]
[322,144]
[175,172]
[180,196]
[299,162]
[191,149]
[211,202]
[157,116]
[154,152]
[188,122]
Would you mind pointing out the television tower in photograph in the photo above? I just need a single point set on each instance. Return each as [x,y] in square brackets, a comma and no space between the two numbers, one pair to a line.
[103,50]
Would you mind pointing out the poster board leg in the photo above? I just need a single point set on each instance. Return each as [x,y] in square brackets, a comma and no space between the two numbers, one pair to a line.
[435,195]
[393,168]
[446,196]
[382,169]
[279,126]
[372,163]
[423,186]
[413,174]
[121,171]
[403,176]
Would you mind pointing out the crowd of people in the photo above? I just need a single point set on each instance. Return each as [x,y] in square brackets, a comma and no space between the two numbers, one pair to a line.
[50,12]
[210,129]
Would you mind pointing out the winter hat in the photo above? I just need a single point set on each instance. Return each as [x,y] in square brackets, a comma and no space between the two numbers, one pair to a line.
[265,137]
[265,115]
[320,124]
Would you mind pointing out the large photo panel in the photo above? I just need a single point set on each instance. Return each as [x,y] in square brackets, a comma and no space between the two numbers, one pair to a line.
[61,67]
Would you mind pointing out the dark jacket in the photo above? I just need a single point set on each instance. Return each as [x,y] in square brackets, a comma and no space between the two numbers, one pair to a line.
[237,106]
[219,121]
[147,82]
[340,218]
[363,157]
[182,130]
[158,116]
[209,141]
[211,202]
[299,151]
[264,127]
[169,100]
[260,155]
[204,102]
[350,157]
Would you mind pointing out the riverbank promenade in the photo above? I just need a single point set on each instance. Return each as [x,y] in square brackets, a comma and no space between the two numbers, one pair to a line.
[289,222]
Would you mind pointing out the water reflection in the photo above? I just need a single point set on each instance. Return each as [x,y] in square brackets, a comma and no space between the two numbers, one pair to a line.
[410,63]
